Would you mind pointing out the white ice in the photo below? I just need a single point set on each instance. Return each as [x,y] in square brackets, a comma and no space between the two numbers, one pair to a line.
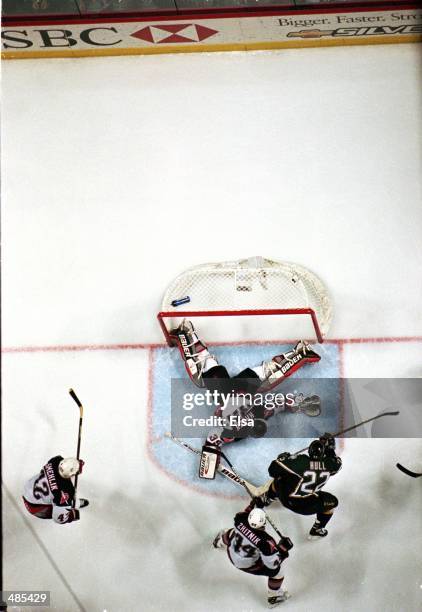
[119,173]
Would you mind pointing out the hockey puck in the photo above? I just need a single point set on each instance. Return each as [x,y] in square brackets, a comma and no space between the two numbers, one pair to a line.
[183,300]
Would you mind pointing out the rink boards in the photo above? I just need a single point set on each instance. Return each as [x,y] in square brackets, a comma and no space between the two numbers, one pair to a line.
[230,32]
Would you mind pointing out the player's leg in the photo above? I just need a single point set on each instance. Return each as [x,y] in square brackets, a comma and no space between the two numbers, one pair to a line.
[198,361]
[274,371]
[326,507]
[222,539]
[276,594]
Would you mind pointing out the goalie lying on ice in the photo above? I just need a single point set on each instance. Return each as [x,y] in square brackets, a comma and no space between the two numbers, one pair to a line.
[205,371]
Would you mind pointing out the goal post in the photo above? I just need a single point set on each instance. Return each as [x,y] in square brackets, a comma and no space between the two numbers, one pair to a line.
[253,287]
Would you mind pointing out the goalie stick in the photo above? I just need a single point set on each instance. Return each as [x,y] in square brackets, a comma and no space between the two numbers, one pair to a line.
[408,472]
[230,474]
[81,414]
[246,485]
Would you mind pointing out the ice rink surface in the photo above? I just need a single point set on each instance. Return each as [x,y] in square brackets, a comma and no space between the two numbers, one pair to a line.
[119,173]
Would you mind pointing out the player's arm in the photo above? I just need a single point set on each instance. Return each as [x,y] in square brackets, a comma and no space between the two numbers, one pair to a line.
[283,468]
[272,555]
[64,514]
[333,461]
[241,517]
[63,494]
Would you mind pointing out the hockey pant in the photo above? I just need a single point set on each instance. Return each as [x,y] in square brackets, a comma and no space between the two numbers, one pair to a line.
[319,504]
[43,511]
[259,569]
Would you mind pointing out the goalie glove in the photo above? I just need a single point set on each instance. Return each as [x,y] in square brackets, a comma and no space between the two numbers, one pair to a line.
[311,406]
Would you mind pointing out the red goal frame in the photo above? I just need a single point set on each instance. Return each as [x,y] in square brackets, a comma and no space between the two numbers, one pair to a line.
[177,314]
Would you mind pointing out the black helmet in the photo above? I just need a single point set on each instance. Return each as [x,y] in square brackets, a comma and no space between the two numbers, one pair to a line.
[316,450]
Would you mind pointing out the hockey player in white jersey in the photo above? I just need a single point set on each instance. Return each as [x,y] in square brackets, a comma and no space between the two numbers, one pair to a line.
[50,493]
[254,551]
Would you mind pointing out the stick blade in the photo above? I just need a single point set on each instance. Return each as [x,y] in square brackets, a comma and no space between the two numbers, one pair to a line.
[408,472]
[75,397]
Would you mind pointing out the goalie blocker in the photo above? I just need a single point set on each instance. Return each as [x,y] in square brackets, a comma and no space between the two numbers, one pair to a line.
[210,458]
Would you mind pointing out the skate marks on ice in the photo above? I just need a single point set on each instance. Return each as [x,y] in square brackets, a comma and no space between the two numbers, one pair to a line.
[250,456]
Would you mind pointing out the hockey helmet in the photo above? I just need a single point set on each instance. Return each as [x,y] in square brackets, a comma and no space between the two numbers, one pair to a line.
[257,518]
[70,467]
[316,450]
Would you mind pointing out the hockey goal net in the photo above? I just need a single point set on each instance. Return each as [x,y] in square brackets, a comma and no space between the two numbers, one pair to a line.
[255,287]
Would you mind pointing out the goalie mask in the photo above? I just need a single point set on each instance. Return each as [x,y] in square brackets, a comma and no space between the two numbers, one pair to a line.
[257,518]
[70,467]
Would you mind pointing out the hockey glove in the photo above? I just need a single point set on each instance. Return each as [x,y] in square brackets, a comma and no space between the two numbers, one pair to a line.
[67,516]
[328,441]
[73,515]
[283,547]
[264,500]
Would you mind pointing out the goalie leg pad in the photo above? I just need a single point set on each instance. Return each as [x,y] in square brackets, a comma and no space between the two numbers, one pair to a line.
[195,354]
[284,365]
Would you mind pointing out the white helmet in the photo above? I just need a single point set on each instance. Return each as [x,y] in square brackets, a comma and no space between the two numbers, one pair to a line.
[70,467]
[257,518]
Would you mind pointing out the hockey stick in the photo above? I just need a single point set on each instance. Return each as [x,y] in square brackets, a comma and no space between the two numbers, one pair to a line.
[81,414]
[339,433]
[231,475]
[262,489]
[246,485]
[408,472]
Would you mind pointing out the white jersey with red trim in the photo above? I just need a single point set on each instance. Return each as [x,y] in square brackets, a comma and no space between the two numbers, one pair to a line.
[48,495]
[248,547]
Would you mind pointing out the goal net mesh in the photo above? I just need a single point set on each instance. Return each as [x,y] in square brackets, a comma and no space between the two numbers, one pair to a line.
[248,286]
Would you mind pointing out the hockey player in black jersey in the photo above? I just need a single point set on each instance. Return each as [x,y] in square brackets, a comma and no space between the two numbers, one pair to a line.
[298,481]
[205,371]
[254,551]
[50,493]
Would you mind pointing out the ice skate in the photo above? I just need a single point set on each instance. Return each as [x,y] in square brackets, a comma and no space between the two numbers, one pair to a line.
[317,532]
[275,600]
